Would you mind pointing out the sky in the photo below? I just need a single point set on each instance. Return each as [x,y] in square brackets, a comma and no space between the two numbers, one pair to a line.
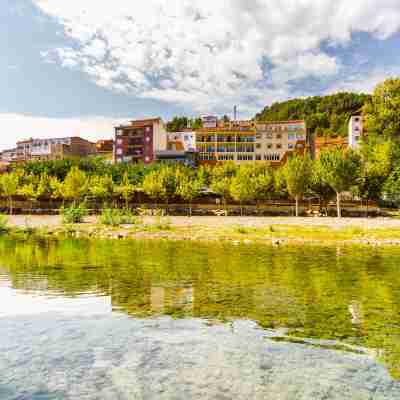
[80,67]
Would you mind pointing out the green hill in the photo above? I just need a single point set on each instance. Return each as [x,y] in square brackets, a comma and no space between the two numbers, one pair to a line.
[325,115]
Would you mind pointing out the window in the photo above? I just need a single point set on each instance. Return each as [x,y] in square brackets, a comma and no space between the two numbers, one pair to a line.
[119,152]
[291,136]
[258,145]
[279,136]
[357,119]
[119,141]
[290,146]
[269,145]
[299,136]
[258,157]
[278,146]
[269,135]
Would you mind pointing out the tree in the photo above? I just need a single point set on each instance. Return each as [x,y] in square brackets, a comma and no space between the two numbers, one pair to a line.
[319,186]
[297,172]
[9,184]
[188,187]
[154,186]
[243,185]
[340,171]
[391,187]
[126,189]
[75,185]
[264,181]
[377,158]
[382,112]
[101,187]
[221,180]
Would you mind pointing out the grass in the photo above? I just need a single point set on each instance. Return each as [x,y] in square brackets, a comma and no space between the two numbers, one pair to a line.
[288,233]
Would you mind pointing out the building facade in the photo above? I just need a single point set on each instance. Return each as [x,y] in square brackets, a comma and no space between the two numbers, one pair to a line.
[243,141]
[53,149]
[138,141]
[182,141]
[355,131]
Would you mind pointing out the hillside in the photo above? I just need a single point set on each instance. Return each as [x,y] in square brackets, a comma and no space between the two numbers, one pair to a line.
[325,115]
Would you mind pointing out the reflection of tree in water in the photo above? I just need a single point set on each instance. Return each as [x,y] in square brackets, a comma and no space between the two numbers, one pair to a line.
[351,295]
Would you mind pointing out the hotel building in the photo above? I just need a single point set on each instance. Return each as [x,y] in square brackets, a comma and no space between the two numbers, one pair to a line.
[139,141]
[243,141]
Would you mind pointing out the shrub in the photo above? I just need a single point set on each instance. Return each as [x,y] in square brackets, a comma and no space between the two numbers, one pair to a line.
[162,224]
[115,217]
[74,214]
[3,224]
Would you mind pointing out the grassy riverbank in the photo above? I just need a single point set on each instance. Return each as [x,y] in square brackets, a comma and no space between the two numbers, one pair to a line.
[276,231]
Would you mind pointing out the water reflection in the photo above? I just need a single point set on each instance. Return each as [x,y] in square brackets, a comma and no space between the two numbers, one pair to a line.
[346,300]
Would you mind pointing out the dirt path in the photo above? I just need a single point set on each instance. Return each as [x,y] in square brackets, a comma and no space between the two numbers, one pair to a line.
[367,223]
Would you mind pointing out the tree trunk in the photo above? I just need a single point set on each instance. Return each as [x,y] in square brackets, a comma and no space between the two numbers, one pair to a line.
[190,209]
[241,209]
[366,210]
[297,206]
[339,211]
[10,205]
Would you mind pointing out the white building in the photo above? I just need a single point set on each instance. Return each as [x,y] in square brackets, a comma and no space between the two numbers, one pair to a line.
[355,131]
[182,141]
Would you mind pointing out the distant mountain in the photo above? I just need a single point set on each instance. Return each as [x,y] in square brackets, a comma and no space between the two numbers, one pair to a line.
[325,115]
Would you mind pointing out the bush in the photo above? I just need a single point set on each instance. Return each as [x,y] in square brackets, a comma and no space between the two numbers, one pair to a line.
[115,217]
[74,214]
[3,224]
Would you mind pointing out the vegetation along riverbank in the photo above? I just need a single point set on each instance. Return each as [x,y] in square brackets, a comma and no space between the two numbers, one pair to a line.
[247,230]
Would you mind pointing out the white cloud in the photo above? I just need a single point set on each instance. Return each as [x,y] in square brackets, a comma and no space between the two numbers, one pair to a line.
[363,82]
[207,53]
[18,127]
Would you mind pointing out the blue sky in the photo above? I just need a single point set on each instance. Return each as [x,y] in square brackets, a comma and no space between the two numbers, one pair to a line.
[79,66]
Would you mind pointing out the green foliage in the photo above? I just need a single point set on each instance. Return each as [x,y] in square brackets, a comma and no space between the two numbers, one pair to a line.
[116,217]
[243,186]
[297,172]
[188,187]
[9,186]
[126,189]
[178,124]
[383,109]
[326,115]
[4,228]
[391,187]
[74,214]
[75,185]
[101,187]
[340,170]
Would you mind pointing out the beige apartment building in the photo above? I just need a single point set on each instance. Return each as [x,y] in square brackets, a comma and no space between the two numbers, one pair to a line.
[244,141]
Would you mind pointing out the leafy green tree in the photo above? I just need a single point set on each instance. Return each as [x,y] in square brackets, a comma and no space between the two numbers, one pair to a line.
[264,182]
[320,187]
[189,188]
[154,186]
[297,172]
[126,189]
[9,184]
[101,187]
[391,187]
[75,185]
[243,185]
[382,112]
[221,180]
[340,171]
[377,158]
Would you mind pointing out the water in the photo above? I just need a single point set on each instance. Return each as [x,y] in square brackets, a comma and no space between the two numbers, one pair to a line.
[160,320]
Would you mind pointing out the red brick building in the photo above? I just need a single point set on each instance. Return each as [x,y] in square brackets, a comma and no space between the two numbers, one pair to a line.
[139,141]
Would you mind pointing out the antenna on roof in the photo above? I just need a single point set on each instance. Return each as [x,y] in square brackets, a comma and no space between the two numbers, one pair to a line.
[235,112]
